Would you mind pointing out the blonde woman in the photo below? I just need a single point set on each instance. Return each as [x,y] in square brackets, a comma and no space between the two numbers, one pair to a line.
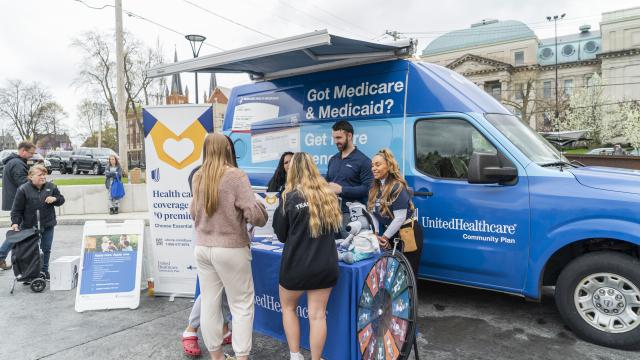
[223,203]
[391,206]
[306,220]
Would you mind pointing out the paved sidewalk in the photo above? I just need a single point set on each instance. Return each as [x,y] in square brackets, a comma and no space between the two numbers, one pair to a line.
[5,221]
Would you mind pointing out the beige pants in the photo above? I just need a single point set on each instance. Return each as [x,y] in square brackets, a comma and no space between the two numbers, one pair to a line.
[228,269]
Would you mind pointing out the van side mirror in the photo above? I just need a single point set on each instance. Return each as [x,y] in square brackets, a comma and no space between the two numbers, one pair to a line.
[491,169]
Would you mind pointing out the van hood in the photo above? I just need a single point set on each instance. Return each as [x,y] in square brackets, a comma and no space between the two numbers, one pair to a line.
[606,178]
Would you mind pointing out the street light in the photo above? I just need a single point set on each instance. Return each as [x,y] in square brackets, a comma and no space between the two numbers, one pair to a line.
[196,44]
[555,19]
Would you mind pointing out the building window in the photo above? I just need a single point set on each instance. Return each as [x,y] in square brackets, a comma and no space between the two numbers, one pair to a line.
[494,88]
[568,50]
[546,89]
[518,58]
[519,91]
[568,87]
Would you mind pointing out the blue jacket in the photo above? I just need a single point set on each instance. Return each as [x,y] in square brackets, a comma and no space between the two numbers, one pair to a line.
[353,173]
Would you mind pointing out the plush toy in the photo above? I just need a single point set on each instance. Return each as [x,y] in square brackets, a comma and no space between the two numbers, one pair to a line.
[362,242]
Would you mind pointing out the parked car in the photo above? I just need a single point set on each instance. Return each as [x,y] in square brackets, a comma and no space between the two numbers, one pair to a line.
[39,159]
[601,151]
[36,159]
[634,152]
[90,159]
[60,161]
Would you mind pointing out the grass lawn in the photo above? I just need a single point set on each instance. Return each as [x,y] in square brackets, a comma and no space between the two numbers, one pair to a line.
[81,181]
[84,181]
[576,151]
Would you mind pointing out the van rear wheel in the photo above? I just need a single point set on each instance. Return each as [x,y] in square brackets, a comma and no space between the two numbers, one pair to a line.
[598,297]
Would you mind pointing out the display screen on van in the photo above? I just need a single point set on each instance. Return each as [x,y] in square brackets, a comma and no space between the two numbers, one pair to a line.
[532,144]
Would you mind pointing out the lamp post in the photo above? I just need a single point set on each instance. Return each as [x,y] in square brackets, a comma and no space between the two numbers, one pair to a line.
[555,19]
[196,44]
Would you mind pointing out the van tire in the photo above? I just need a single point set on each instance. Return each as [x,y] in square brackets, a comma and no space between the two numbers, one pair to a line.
[595,269]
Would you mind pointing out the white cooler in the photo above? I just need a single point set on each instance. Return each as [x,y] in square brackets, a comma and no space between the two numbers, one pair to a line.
[64,273]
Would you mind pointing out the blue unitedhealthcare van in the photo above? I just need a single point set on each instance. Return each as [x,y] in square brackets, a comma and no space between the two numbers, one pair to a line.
[501,208]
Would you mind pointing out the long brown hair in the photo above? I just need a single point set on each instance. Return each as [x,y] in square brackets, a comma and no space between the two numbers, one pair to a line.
[324,211]
[216,156]
[390,192]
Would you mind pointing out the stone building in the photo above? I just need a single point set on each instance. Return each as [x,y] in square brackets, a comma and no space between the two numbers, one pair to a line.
[511,63]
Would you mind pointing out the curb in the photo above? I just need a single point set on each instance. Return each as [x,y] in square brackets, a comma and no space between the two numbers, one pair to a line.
[80,220]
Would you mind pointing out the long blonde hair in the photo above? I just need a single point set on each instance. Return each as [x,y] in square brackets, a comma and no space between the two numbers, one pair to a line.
[324,211]
[216,156]
[388,194]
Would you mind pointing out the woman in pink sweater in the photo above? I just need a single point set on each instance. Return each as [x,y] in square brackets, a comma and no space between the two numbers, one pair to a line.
[223,203]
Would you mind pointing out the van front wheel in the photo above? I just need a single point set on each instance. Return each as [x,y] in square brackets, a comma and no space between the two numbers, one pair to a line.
[598,297]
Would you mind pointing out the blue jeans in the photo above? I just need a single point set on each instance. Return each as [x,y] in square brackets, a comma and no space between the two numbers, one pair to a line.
[4,250]
[45,245]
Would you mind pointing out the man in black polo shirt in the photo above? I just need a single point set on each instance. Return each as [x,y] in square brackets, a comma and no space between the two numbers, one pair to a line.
[349,171]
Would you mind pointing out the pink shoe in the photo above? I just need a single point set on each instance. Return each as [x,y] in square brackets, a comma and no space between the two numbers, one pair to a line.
[190,346]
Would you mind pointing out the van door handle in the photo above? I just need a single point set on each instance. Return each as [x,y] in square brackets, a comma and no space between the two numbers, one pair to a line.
[423,193]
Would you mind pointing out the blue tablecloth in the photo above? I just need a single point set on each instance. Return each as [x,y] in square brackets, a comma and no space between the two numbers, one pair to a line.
[342,309]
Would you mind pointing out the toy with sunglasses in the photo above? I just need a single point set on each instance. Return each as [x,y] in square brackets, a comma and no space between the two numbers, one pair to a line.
[362,242]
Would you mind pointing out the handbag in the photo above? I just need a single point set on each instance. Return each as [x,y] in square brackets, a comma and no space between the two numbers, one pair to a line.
[408,236]
[117,189]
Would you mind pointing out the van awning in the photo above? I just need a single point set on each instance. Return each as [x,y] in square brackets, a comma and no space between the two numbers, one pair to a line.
[294,55]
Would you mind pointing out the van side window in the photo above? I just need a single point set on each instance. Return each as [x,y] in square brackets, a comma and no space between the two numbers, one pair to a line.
[444,147]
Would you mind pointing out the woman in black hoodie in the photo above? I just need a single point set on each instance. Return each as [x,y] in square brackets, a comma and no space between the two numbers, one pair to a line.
[35,196]
[306,221]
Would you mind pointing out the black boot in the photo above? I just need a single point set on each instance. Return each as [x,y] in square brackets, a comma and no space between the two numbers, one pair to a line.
[115,210]
[110,211]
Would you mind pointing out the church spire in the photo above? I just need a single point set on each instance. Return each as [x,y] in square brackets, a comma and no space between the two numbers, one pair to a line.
[176,83]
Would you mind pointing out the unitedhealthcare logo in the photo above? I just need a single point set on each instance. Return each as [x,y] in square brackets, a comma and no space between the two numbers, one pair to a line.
[465,225]
[155,174]
[269,302]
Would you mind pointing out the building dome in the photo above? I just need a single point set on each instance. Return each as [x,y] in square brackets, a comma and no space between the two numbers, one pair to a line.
[486,32]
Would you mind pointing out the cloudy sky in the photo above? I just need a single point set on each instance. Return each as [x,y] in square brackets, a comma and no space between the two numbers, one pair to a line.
[36,36]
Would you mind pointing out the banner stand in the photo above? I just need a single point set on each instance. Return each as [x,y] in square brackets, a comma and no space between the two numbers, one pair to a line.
[174,138]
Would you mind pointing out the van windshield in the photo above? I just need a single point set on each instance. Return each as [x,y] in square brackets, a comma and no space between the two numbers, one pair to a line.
[532,144]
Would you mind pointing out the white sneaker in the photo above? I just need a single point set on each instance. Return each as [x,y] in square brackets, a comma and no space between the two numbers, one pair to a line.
[296,356]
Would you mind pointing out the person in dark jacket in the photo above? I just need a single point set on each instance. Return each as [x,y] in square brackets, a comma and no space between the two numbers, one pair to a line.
[14,174]
[276,184]
[41,196]
[112,172]
[348,172]
[306,221]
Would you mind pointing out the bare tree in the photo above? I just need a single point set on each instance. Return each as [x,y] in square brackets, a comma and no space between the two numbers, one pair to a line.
[97,69]
[28,107]
[523,100]
[92,116]
[53,116]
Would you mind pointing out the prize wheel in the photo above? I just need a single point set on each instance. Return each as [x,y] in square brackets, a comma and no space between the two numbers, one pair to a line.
[387,309]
